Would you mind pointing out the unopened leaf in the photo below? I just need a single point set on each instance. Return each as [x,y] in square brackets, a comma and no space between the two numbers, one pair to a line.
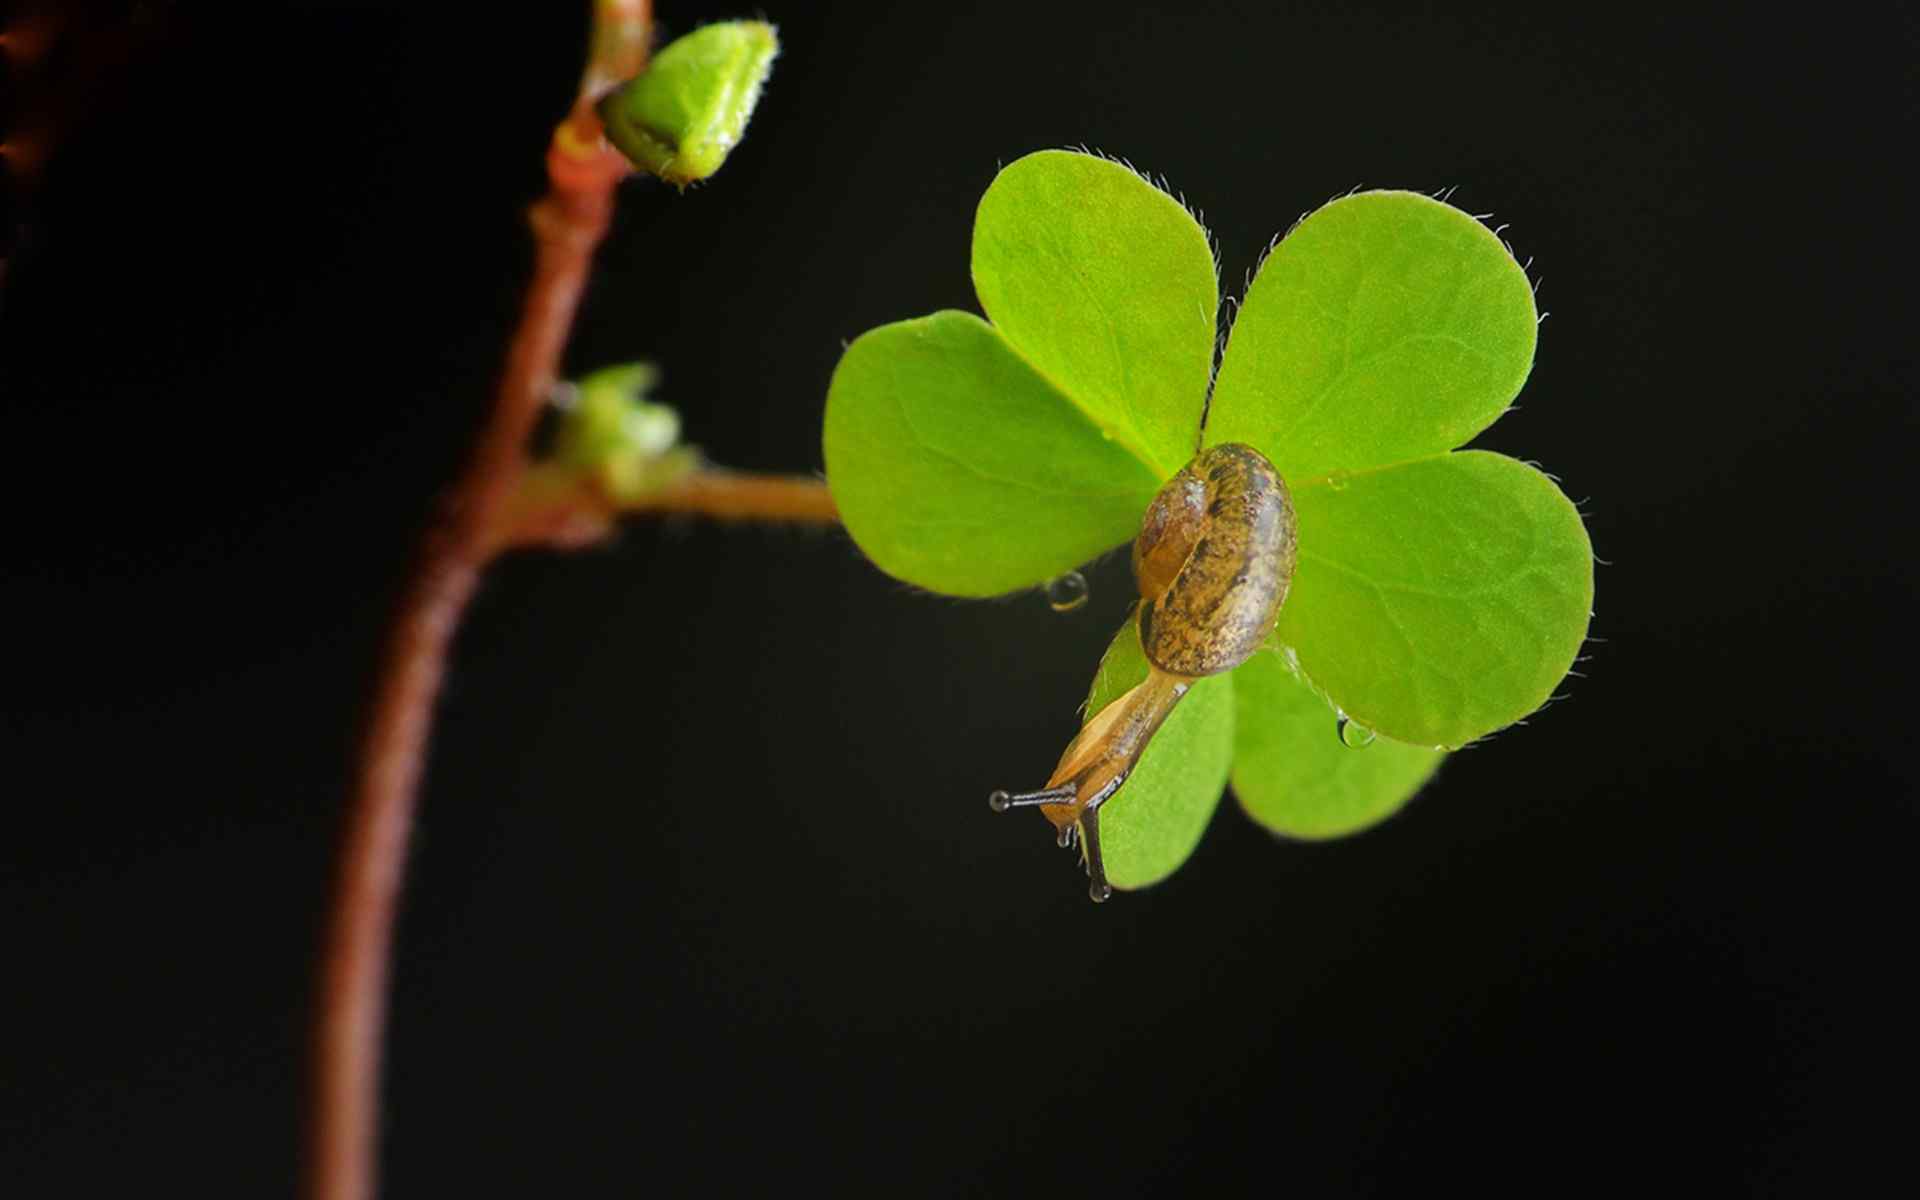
[682,115]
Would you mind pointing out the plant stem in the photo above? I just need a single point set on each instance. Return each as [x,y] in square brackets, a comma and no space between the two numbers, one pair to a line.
[477,522]
[730,495]
[568,223]
[574,512]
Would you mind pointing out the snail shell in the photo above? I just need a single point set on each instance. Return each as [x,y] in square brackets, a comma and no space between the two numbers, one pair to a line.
[1214,560]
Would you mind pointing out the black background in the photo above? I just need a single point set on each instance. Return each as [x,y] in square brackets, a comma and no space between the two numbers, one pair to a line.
[705,889]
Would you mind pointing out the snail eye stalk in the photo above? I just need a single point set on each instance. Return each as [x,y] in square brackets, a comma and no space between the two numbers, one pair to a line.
[1002,801]
[1083,829]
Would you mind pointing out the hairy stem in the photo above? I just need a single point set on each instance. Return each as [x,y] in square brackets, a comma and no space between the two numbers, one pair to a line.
[737,496]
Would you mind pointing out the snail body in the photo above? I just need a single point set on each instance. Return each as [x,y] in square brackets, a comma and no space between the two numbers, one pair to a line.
[1213,562]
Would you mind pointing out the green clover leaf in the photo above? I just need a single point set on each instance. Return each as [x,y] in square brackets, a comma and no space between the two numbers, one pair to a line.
[1439,594]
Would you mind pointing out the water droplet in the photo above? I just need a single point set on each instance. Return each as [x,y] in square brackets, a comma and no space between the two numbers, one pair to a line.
[1099,893]
[1067,592]
[1352,734]
[1337,480]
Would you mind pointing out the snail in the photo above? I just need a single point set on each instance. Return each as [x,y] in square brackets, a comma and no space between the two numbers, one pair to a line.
[1213,561]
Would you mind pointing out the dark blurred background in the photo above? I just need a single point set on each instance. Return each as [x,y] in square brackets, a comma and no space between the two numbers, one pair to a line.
[705,889]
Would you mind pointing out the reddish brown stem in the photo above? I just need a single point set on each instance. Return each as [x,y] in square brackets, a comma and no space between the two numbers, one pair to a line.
[568,224]
[580,512]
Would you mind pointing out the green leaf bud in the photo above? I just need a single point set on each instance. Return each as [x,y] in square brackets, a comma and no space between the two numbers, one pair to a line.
[680,117]
[612,431]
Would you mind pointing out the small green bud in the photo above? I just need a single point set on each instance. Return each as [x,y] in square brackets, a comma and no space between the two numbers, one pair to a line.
[680,117]
[609,416]
[612,431]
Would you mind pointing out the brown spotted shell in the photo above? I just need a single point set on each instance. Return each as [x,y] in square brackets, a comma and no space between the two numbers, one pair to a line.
[1214,560]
